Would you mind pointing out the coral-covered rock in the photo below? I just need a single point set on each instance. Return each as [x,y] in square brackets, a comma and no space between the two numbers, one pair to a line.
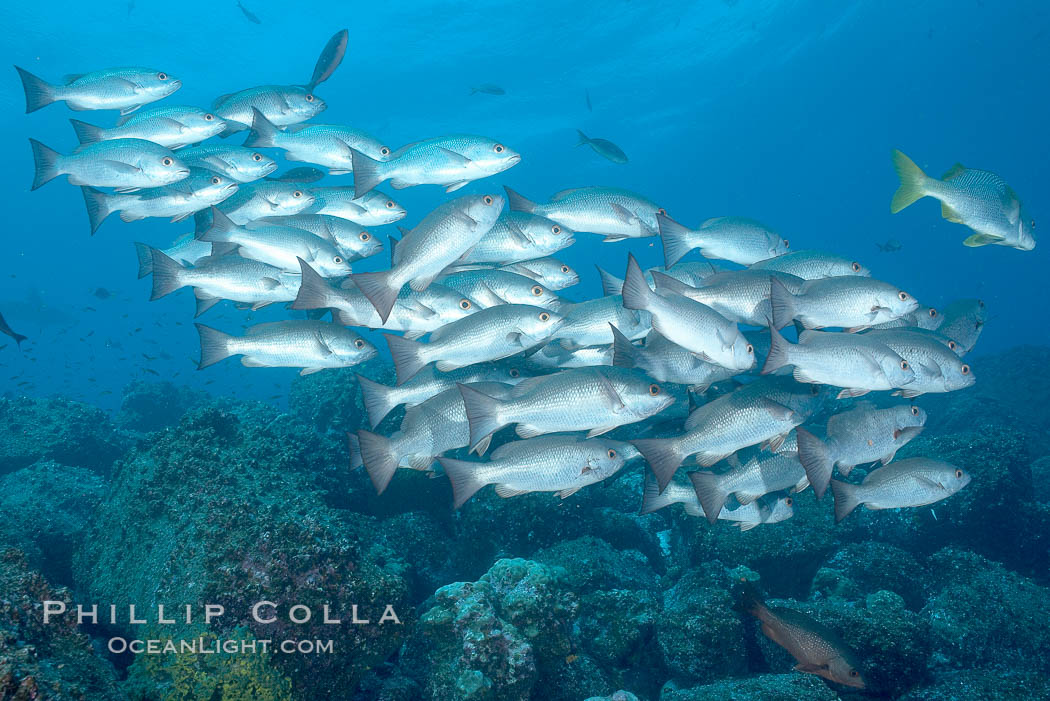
[766,687]
[857,569]
[986,684]
[151,406]
[331,400]
[591,564]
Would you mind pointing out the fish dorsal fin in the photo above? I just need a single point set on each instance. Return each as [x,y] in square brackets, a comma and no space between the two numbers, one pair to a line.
[72,77]
[711,222]
[954,172]
[562,194]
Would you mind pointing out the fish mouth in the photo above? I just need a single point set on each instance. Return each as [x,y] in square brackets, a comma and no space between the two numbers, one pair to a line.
[269,168]
[183,172]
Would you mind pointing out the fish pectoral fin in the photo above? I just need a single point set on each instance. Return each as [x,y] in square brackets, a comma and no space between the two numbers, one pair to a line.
[309,371]
[514,337]
[774,444]
[452,187]
[851,392]
[520,236]
[950,214]
[270,283]
[613,396]
[935,484]
[933,370]
[599,431]
[121,167]
[505,491]
[612,238]
[566,493]
[129,110]
[623,214]
[981,240]
[456,159]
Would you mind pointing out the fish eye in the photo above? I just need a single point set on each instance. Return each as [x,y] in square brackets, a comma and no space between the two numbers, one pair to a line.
[654,389]
[256,156]
[162,76]
[855,266]
[544,316]
[965,369]
[555,229]
[661,211]
[359,343]
[309,97]
[384,151]
[390,204]
[565,268]
[487,199]
[903,296]
[513,372]
[933,313]
[787,244]
[904,365]
[167,160]
[952,344]
[1032,223]
[498,148]
[750,348]
[958,474]
[297,194]
[854,673]
[337,260]
[209,117]
[980,303]
[915,411]
[365,236]
[216,180]
[465,304]
[537,290]
[789,501]
[611,453]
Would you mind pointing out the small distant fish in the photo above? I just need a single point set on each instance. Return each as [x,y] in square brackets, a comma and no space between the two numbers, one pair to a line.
[102,293]
[603,147]
[124,89]
[299,175]
[4,328]
[330,58]
[905,483]
[488,89]
[978,199]
[587,97]
[248,13]
[891,246]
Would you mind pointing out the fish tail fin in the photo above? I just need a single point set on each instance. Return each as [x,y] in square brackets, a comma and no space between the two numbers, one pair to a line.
[663,458]
[846,499]
[913,182]
[167,274]
[464,478]
[407,355]
[39,92]
[611,285]
[353,444]
[518,202]
[98,207]
[652,498]
[623,350]
[45,162]
[782,303]
[86,133]
[379,458]
[813,454]
[262,132]
[377,288]
[583,138]
[368,173]
[220,230]
[636,291]
[145,256]
[314,290]
[215,345]
[676,239]
[378,399]
[482,415]
[710,493]
[778,355]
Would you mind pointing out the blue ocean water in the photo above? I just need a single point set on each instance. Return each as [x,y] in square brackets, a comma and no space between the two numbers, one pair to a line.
[782,111]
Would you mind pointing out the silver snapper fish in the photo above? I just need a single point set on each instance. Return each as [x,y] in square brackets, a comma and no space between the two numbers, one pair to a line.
[320,144]
[962,321]
[747,482]
[282,105]
[595,400]
[424,252]
[415,313]
[381,399]
[237,162]
[688,272]
[559,464]
[199,190]
[608,211]
[902,484]
[372,209]
[124,89]
[553,357]
[736,239]
[310,345]
[856,364]
[849,302]
[742,296]
[352,239]
[489,288]
[934,360]
[690,324]
[603,147]
[280,246]
[923,317]
[123,164]
[857,437]
[186,250]
[762,412]
[978,199]
[589,323]
[812,265]
[428,430]
[743,517]
[554,274]
[266,199]
[665,361]
[171,126]
[214,279]
[490,334]
[449,161]
[519,236]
